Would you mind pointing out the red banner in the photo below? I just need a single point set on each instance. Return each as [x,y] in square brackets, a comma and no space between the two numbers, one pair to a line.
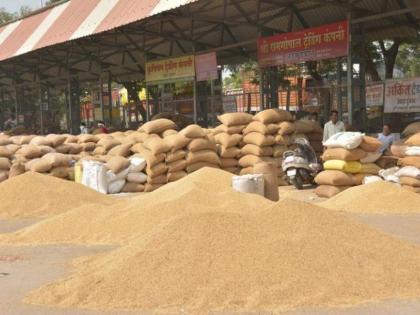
[323,42]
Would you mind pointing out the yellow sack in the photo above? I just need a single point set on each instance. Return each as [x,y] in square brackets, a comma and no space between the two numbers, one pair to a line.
[370,168]
[344,166]
[78,173]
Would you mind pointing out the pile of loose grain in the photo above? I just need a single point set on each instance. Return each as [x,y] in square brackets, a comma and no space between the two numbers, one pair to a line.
[292,255]
[34,195]
[378,197]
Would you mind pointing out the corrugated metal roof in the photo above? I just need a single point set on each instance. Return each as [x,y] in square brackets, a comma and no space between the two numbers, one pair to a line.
[75,19]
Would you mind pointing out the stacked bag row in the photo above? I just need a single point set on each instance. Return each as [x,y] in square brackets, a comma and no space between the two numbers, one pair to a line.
[409,174]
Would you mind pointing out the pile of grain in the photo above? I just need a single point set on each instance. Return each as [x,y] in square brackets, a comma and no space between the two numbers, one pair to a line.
[34,195]
[378,197]
[205,189]
[291,255]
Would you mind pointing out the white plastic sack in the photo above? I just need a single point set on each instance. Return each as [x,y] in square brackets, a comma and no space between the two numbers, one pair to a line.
[112,177]
[137,164]
[371,157]
[371,179]
[94,176]
[346,140]
[138,178]
[252,183]
[412,151]
[116,186]
[408,171]
[389,174]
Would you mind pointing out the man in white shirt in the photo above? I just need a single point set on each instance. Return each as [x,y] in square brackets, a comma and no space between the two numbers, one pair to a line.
[333,126]
[386,137]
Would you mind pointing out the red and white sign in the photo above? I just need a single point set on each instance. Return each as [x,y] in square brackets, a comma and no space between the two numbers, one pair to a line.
[402,96]
[206,67]
[323,42]
[375,95]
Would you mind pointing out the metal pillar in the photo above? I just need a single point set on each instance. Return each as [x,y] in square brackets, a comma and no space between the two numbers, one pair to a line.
[195,100]
[110,98]
[16,105]
[339,97]
[41,110]
[147,105]
[74,104]
[349,75]
[261,88]
[101,97]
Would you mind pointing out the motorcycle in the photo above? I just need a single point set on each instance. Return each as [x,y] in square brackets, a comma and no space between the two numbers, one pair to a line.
[301,165]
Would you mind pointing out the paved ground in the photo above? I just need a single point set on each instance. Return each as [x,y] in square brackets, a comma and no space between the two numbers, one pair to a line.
[23,269]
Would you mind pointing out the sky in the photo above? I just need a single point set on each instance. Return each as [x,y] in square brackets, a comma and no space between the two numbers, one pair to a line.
[14,5]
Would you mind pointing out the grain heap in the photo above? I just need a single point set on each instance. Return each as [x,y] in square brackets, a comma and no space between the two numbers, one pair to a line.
[229,139]
[290,255]
[201,149]
[35,195]
[377,197]
[348,160]
[409,175]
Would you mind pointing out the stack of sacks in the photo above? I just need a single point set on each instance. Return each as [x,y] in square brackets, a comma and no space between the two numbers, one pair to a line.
[229,139]
[136,178]
[408,175]
[201,149]
[5,156]
[61,164]
[312,131]
[118,168]
[105,144]
[86,145]
[176,158]
[349,157]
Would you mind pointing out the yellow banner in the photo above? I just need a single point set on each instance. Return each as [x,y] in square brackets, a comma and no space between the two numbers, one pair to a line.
[170,69]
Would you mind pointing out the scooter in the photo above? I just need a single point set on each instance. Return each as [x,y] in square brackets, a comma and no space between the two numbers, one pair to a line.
[301,165]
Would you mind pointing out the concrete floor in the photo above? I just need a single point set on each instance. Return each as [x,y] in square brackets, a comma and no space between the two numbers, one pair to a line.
[23,269]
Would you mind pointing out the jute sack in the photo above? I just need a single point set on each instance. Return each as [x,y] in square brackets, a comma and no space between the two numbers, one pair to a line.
[250,160]
[193,131]
[169,132]
[307,127]
[58,159]
[38,165]
[411,188]
[259,139]
[226,163]
[71,139]
[235,119]
[157,145]
[100,151]
[278,150]
[138,178]
[284,139]
[370,144]
[5,140]
[161,179]
[172,177]
[60,172]
[75,148]
[117,163]
[328,191]
[257,150]
[359,178]
[156,170]
[17,169]
[150,187]
[175,156]
[207,156]
[21,140]
[177,142]
[370,168]
[4,175]
[334,178]
[269,171]
[286,128]
[246,170]
[410,181]
[121,150]
[230,130]
[200,144]
[398,149]
[151,159]
[5,152]
[132,188]
[46,149]
[108,143]
[13,148]
[410,161]
[414,140]
[88,146]
[232,152]
[5,163]
[135,137]
[226,140]
[56,140]
[39,140]
[344,154]
[273,116]
[157,126]
[256,126]
[88,138]
[63,148]
[199,165]
[29,151]
[411,129]
[177,166]
[371,157]
[345,166]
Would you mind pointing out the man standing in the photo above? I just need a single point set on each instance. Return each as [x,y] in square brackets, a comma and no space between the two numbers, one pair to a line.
[386,137]
[333,126]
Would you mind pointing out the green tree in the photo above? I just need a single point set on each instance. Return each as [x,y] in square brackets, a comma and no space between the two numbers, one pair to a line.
[6,16]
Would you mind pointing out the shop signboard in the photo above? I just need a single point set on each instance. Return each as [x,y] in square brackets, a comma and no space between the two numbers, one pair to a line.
[375,95]
[323,42]
[229,104]
[170,69]
[402,96]
[206,67]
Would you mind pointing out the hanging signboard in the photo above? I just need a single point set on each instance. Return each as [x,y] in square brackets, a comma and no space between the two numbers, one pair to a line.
[229,104]
[323,42]
[170,69]
[402,96]
[206,67]
[375,95]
